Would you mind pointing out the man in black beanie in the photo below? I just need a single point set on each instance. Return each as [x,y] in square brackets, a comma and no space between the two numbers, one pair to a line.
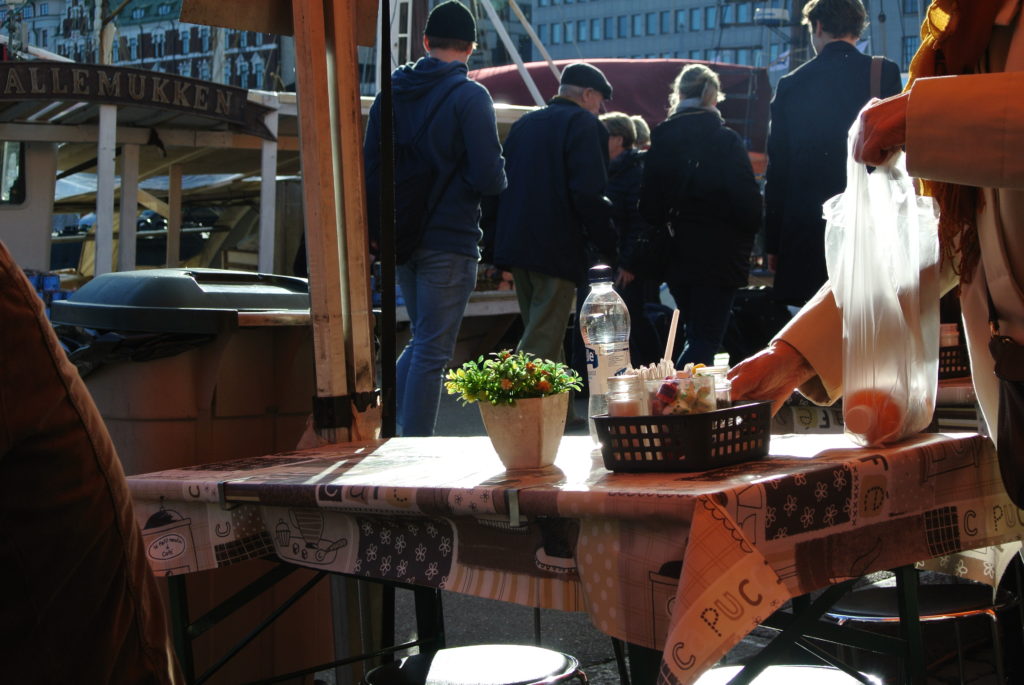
[553,222]
[447,156]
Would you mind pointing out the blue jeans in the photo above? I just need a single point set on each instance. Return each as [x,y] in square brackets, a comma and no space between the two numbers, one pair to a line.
[704,312]
[436,287]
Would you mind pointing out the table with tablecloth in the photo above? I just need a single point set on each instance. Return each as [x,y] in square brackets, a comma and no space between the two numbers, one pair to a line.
[687,563]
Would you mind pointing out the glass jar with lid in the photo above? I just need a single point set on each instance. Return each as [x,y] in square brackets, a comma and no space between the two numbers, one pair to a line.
[627,396]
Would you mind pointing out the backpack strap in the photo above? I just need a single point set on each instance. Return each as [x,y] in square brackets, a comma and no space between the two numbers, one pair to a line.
[876,76]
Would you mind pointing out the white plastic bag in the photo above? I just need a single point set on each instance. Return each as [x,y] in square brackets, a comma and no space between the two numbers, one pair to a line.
[882,253]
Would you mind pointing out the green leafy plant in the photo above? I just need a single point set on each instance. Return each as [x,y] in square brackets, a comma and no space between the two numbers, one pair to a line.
[506,376]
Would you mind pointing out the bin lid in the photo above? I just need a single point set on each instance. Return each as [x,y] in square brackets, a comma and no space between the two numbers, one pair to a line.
[178,300]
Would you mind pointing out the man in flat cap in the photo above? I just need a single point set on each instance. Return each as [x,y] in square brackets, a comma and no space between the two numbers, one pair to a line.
[554,206]
[449,121]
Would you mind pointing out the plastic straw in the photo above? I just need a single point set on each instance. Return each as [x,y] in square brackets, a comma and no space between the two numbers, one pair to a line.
[671,342]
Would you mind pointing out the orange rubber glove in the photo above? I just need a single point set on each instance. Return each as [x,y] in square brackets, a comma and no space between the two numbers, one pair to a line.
[883,129]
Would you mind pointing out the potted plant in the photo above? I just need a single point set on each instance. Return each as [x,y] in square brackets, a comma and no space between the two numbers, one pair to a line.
[523,402]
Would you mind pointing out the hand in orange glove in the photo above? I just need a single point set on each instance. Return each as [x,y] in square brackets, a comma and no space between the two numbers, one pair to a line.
[883,129]
[770,375]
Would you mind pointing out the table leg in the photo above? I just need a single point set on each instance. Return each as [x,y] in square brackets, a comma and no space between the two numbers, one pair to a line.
[644,664]
[178,595]
[429,618]
[910,625]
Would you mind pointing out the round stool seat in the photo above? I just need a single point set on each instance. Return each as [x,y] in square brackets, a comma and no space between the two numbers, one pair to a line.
[936,602]
[479,665]
[783,675]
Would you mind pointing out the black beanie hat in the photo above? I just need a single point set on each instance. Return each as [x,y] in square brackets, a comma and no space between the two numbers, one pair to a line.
[451,20]
[586,76]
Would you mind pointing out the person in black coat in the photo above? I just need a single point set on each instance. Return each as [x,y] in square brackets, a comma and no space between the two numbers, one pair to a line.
[811,113]
[635,283]
[699,183]
[554,206]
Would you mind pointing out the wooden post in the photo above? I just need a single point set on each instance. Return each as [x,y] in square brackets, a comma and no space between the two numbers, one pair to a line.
[105,152]
[174,216]
[129,206]
[355,247]
[330,142]
[268,192]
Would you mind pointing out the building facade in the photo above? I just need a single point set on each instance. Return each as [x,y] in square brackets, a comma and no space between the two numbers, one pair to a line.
[765,34]
[149,36]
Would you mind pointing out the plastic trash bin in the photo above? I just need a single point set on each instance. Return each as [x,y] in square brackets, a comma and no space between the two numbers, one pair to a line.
[246,391]
[240,385]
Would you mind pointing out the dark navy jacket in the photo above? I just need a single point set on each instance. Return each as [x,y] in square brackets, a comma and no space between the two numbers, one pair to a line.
[462,136]
[812,112]
[716,214]
[555,200]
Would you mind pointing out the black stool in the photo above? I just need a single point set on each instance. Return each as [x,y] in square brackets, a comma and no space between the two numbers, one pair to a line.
[783,675]
[480,665]
[877,603]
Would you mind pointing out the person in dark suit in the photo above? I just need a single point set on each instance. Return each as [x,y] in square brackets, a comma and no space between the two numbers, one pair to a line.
[811,113]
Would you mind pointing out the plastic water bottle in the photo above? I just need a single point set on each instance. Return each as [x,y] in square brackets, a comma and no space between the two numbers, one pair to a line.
[604,325]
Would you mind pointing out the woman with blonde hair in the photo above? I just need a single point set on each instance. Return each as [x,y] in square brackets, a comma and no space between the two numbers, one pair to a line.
[698,183]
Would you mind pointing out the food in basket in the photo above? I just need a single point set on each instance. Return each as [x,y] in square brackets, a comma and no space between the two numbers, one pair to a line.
[692,395]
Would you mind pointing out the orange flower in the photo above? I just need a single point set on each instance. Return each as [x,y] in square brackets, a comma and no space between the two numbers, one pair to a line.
[506,384]
[543,385]
[530,367]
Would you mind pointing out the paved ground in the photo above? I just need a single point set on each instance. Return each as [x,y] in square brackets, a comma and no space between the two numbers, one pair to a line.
[469,620]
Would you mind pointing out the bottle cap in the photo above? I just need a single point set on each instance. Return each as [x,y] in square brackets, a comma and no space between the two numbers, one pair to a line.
[600,273]
[859,419]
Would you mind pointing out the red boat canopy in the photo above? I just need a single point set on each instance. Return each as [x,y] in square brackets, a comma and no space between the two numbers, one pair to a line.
[641,86]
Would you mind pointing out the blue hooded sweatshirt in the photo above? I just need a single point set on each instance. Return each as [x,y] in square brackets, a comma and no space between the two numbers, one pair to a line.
[462,137]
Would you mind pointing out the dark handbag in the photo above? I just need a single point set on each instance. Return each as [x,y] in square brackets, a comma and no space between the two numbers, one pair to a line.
[1009,369]
[1009,358]
[650,253]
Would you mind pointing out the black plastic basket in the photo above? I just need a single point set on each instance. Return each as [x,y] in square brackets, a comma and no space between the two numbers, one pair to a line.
[688,442]
[954,362]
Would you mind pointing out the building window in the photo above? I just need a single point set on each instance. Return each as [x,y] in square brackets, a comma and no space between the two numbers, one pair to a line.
[680,21]
[666,22]
[727,55]
[695,54]
[133,48]
[204,70]
[543,3]
[44,9]
[26,12]
[227,71]
[158,46]
[138,13]
[204,39]
[652,23]
[582,30]
[570,32]
[728,14]
[638,25]
[542,32]
[243,73]
[185,40]
[743,56]
[595,29]
[609,28]
[556,34]
[911,6]
[744,13]
[44,38]
[243,39]
[773,52]
[910,45]
[695,23]
[163,10]
[623,26]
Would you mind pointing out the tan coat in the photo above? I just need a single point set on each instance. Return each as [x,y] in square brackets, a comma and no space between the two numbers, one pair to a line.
[967,130]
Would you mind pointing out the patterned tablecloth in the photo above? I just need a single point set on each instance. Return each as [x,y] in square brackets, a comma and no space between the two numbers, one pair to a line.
[687,563]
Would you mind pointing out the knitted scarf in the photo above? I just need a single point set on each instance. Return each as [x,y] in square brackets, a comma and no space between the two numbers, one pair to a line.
[954,36]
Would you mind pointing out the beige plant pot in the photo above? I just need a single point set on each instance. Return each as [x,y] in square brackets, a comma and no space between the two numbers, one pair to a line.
[526,434]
